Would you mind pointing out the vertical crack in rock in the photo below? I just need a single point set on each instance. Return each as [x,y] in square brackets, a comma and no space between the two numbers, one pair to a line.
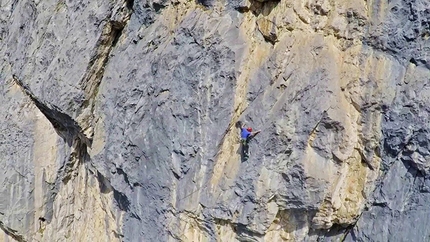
[350,229]
[109,38]
[90,83]
[130,4]
[95,71]
[78,156]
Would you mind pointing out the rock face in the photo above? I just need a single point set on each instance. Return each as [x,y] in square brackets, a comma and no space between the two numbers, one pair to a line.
[118,120]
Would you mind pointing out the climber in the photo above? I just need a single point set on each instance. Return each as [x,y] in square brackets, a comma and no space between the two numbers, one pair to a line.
[246,135]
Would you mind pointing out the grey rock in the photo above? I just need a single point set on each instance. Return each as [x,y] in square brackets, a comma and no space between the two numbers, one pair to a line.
[399,199]
[403,33]
[140,98]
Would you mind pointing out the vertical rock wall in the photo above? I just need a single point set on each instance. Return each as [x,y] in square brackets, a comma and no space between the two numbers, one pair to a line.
[118,120]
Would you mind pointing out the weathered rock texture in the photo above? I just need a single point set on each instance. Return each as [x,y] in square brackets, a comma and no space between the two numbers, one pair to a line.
[118,120]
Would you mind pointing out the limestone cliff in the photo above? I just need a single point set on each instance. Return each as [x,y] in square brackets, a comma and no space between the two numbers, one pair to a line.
[117,120]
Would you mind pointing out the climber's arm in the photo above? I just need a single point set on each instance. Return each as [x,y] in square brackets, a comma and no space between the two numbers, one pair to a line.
[253,134]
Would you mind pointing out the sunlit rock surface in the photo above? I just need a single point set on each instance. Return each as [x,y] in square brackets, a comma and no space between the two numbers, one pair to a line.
[118,120]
